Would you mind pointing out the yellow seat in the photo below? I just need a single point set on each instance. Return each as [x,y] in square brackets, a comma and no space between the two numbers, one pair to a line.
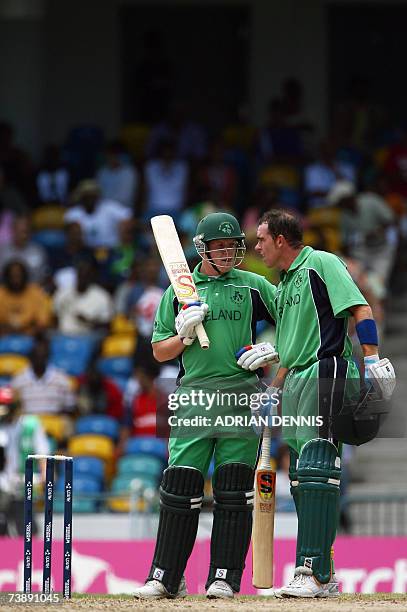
[92,445]
[58,426]
[324,222]
[122,325]
[11,364]
[239,136]
[280,176]
[119,345]
[134,136]
[49,216]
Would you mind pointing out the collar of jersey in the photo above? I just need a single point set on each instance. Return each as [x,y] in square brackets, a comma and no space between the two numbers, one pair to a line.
[298,261]
[198,276]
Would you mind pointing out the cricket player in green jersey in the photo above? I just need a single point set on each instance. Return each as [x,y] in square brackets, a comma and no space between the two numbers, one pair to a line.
[233,301]
[315,298]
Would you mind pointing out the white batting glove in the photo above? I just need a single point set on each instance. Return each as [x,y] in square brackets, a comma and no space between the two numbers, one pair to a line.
[379,373]
[188,318]
[256,356]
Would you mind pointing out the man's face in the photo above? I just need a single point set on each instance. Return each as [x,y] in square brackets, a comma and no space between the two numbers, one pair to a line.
[222,252]
[267,247]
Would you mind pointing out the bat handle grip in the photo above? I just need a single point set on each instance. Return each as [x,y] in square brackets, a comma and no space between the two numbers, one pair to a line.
[265,448]
[202,337]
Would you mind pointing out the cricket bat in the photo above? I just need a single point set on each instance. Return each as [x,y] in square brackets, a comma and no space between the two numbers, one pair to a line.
[175,263]
[263,523]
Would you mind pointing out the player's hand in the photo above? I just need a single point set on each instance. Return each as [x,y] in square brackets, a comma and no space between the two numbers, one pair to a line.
[256,356]
[188,318]
[380,375]
[265,408]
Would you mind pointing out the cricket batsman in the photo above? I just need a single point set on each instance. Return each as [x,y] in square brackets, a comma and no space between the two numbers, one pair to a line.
[233,301]
[315,299]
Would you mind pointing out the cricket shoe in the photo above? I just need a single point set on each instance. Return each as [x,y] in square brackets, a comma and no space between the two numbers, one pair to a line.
[331,588]
[154,589]
[304,584]
[220,589]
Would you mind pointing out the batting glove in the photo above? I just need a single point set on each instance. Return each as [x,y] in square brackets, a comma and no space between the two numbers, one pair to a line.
[188,318]
[265,407]
[380,375]
[256,356]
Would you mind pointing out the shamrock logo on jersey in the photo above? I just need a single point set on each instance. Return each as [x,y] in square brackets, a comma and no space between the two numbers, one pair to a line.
[298,279]
[226,227]
[237,297]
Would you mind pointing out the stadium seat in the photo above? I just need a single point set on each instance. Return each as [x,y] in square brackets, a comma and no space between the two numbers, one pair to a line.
[116,366]
[58,426]
[92,445]
[98,424]
[85,497]
[49,216]
[147,445]
[280,176]
[126,485]
[50,239]
[10,364]
[16,343]
[89,466]
[72,353]
[119,345]
[135,136]
[122,325]
[140,466]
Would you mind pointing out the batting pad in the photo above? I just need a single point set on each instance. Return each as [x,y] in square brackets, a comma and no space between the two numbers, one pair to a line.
[319,476]
[233,496]
[181,494]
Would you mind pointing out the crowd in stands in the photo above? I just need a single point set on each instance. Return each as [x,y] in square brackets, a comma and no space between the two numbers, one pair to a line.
[80,278]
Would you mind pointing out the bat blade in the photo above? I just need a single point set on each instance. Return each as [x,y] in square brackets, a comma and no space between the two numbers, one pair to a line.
[176,266]
[263,524]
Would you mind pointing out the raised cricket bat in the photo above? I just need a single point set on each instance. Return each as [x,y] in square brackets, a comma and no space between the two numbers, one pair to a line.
[175,263]
[263,522]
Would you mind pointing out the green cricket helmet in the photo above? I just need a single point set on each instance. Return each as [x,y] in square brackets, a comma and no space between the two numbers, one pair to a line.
[218,226]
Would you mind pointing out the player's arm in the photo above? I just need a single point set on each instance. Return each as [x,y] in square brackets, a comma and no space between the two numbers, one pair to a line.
[378,372]
[168,349]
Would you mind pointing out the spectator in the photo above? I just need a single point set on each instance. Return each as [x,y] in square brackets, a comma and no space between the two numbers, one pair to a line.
[24,307]
[396,165]
[279,142]
[86,307]
[117,265]
[118,179]
[365,220]
[144,296]
[43,388]
[10,198]
[16,164]
[218,180]
[98,218]
[142,416]
[52,178]
[25,250]
[98,394]
[165,182]
[188,136]
[64,260]
[20,435]
[321,176]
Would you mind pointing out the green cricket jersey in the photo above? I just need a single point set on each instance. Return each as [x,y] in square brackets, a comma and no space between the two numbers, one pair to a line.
[237,301]
[312,302]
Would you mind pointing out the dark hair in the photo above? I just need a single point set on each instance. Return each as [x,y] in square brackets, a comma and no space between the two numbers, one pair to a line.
[9,266]
[281,222]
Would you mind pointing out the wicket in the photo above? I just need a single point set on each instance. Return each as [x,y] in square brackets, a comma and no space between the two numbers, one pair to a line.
[48,520]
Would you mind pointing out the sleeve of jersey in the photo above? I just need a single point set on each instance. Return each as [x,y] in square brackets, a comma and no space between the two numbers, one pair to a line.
[268,306]
[342,289]
[164,322]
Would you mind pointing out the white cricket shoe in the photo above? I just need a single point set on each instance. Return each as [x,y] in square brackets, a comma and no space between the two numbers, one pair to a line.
[331,588]
[304,584]
[154,589]
[220,590]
